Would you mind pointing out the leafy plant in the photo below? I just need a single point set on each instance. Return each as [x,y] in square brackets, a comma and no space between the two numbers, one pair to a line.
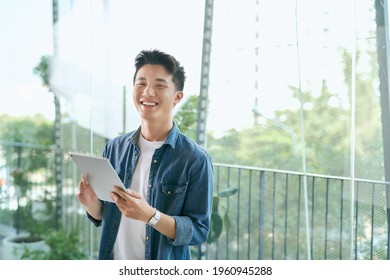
[62,245]
[186,117]
[21,181]
[216,222]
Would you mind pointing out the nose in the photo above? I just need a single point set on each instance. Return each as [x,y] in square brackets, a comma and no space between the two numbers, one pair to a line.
[149,91]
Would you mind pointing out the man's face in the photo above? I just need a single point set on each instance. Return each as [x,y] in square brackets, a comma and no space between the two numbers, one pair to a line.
[154,93]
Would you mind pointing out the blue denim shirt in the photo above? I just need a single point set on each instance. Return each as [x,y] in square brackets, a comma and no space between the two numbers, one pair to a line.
[180,185]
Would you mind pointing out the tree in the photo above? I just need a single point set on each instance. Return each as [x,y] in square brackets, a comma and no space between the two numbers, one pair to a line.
[29,139]
[43,70]
[186,117]
[27,143]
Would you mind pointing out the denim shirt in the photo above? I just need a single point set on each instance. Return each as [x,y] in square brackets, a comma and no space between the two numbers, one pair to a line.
[180,184]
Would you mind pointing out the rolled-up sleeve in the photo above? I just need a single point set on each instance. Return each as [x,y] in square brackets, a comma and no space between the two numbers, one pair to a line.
[193,226]
[95,222]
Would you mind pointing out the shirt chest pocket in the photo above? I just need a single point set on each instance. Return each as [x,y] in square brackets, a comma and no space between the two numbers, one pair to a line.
[172,197]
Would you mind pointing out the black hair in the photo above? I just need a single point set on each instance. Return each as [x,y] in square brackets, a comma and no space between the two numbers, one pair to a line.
[156,57]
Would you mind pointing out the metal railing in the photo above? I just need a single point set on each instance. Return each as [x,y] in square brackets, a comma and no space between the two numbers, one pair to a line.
[263,216]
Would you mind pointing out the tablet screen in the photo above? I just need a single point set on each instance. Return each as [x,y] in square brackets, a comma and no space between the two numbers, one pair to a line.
[99,172]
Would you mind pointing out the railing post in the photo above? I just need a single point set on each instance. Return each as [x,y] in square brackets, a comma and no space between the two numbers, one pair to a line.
[204,79]
[261,215]
[205,73]
[382,31]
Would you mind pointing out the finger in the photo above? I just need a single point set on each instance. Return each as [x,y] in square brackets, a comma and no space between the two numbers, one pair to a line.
[119,188]
[81,186]
[80,193]
[114,197]
[85,181]
[119,192]
[117,198]
[133,193]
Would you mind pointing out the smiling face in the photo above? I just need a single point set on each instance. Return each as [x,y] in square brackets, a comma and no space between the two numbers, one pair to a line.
[155,94]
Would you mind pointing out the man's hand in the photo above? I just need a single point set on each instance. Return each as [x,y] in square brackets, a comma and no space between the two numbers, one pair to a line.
[132,205]
[89,199]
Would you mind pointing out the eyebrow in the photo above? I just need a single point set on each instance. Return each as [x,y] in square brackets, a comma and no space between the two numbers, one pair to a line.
[157,80]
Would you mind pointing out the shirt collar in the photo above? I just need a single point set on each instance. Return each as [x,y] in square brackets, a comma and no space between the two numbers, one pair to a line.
[171,139]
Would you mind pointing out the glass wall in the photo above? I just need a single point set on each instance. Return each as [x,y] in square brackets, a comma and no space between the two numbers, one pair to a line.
[287,83]
[294,87]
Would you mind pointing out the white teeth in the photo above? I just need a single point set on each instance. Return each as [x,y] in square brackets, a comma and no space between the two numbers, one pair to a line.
[149,103]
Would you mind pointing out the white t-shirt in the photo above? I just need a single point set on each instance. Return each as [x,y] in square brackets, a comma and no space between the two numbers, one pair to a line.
[130,242]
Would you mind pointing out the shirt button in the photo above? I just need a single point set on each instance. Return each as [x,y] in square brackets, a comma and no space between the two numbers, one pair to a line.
[169,192]
[154,161]
[147,237]
[150,185]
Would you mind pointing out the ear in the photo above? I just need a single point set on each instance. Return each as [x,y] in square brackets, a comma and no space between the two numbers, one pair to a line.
[178,97]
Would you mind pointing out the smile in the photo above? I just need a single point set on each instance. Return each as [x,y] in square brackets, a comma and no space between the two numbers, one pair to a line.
[151,104]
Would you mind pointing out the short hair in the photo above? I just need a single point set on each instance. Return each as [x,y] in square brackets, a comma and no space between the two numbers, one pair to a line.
[156,57]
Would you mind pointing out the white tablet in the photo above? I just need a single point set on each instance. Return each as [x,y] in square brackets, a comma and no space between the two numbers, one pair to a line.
[99,172]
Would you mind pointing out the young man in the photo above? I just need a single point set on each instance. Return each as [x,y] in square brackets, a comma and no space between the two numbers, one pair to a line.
[167,205]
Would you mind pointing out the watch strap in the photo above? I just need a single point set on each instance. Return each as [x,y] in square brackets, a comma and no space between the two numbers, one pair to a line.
[155,218]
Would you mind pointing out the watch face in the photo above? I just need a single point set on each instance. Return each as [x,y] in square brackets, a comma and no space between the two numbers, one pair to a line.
[154,220]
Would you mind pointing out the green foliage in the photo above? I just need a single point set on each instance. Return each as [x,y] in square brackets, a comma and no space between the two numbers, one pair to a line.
[30,138]
[27,142]
[225,149]
[327,124]
[227,192]
[20,179]
[327,128]
[216,225]
[28,130]
[71,130]
[6,215]
[186,117]
[42,70]
[62,245]
[25,217]
[216,222]
[377,252]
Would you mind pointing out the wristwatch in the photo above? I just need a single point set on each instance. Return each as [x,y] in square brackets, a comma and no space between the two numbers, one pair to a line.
[155,219]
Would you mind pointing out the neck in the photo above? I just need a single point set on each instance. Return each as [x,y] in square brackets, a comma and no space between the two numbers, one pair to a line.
[155,131]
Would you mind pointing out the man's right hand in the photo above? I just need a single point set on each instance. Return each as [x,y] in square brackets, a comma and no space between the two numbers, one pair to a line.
[89,199]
